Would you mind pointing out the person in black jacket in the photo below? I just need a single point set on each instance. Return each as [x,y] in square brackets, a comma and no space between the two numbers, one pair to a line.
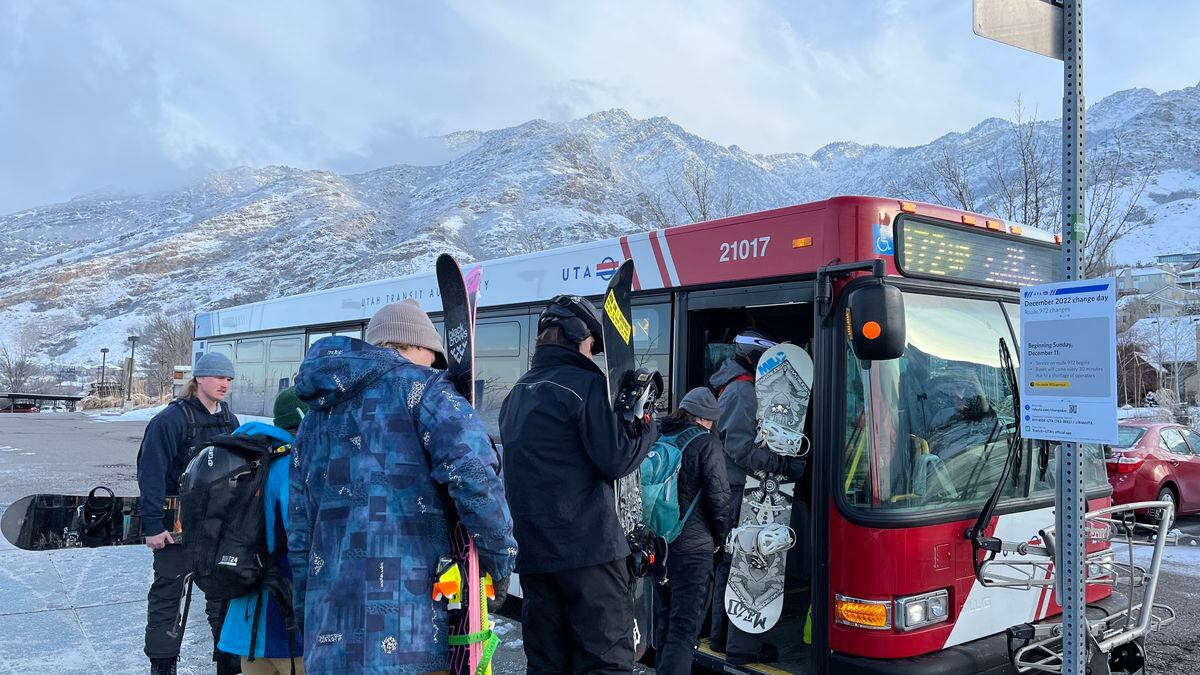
[563,448]
[680,605]
[172,438]
[737,425]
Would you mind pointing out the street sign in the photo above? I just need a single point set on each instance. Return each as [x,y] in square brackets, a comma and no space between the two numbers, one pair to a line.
[1035,25]
[1068,361]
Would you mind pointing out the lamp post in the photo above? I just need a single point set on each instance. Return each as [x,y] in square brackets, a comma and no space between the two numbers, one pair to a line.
[132,347]
[103,364]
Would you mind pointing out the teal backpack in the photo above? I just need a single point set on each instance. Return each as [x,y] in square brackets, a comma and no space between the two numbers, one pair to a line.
[660,484]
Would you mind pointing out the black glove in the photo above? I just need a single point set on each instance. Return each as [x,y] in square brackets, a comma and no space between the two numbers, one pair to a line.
[501,588]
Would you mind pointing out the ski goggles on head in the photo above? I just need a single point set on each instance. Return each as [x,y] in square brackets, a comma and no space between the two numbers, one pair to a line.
[753,341]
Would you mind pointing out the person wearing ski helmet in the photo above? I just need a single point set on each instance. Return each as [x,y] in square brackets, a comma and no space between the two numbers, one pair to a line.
[704,500]
[388,453]
[172,438]
[563,449]
[737,428]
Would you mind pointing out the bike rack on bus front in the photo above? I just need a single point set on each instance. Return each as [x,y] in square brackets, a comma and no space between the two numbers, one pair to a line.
[1116,640]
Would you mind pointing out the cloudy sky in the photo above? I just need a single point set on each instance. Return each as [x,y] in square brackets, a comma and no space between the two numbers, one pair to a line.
[145,95]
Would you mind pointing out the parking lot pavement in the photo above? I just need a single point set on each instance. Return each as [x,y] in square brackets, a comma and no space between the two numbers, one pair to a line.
[82,611]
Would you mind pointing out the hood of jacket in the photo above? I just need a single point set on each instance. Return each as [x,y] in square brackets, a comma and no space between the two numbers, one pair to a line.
[336,368]
[271,431]
[729,370]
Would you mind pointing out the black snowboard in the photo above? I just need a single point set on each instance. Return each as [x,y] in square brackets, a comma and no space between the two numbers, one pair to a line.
[617,325]
[48,521]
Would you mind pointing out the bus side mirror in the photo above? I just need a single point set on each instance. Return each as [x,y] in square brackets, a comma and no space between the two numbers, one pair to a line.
[875,322]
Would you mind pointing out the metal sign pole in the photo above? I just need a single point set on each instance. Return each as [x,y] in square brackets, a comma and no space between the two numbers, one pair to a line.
[1070,497]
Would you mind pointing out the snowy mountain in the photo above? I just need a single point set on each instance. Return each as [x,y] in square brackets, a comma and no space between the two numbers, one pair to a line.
[85,272]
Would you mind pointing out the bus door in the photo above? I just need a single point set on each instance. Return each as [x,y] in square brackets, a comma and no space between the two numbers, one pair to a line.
[710,320]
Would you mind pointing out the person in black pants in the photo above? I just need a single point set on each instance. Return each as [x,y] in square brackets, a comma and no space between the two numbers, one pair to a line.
[172,439]
[704,501]
[563,448]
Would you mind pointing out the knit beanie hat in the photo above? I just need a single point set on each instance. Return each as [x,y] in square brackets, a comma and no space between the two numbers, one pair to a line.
[213,364]
[404,323]
[701,403]
[289,409]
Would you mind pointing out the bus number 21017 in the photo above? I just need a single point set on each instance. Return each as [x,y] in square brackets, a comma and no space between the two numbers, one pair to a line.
[745,249]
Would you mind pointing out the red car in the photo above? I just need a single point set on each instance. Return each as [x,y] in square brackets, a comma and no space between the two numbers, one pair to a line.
[1155,461]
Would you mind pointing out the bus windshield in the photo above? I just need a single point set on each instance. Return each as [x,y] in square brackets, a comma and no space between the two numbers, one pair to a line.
[930,430]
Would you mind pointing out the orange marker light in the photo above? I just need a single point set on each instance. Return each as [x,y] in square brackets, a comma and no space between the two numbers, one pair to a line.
[872,330]
[862,613]
[968,220]
[908,207]
[1058,238]
[802,242]
[994,225]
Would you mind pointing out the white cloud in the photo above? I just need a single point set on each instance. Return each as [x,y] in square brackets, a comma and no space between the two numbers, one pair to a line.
[141,96]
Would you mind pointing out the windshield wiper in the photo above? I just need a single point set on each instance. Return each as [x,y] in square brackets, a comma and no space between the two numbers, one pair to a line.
[979,540]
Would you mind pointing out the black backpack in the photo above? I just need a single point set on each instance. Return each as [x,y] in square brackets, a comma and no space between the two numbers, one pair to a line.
[221,511]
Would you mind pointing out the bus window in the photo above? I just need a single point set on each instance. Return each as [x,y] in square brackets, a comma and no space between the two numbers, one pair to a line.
[250,351]
[500,359]
[223,348]
[930,430]
[286,350]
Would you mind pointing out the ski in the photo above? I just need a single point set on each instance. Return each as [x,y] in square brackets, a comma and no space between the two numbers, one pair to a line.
[460,578]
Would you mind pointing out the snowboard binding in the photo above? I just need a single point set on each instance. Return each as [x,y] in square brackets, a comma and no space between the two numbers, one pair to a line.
[781,440]
[95,518]
[637,396]
[760,541]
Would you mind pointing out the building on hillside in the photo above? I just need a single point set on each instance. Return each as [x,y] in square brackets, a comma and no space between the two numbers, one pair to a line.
[1189,278]
[1165,302]
[1185,259]
[1170,344]
[1142,280]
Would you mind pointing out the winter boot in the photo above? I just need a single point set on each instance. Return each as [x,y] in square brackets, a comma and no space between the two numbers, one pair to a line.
[163,666]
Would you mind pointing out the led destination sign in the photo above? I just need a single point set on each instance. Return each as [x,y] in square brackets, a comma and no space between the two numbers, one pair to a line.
[939,251]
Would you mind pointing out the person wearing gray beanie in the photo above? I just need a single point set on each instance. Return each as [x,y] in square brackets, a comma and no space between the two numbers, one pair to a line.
[405,327]
[706,505]
[701,403]
[172,438]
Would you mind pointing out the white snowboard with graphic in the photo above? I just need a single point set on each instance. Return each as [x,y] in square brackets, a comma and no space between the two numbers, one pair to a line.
[754,594]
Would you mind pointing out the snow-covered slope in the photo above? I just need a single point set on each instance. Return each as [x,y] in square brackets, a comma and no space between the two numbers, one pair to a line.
[87,271]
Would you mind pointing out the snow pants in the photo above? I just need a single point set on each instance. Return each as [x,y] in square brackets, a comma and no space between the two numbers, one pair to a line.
[738,643]
[679,610]
[162,611]
[578,621]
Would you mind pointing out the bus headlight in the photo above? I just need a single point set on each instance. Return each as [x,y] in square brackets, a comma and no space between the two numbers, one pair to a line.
[918,611]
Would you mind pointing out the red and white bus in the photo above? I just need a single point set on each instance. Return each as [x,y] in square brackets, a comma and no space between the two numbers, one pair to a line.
[906,451]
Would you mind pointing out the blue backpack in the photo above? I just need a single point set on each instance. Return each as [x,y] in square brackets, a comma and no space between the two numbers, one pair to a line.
[660,484]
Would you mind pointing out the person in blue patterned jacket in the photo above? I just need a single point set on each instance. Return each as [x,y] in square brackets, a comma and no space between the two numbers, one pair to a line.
[387,454]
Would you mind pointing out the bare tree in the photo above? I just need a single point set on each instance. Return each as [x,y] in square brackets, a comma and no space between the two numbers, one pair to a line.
[697,195]
[1027,191]
[1135,375]
[18,367]
[1114,185]
[945,180]
[653,202]
[168,343]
